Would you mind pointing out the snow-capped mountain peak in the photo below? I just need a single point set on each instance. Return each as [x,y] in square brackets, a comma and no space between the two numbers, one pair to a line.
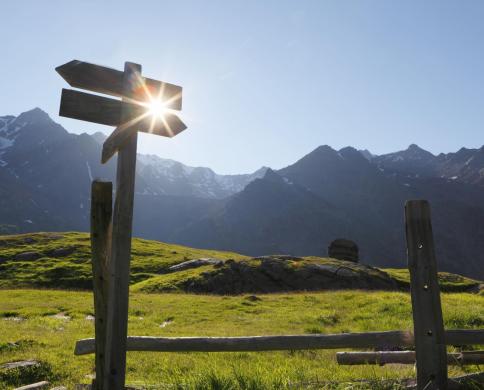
[166,176]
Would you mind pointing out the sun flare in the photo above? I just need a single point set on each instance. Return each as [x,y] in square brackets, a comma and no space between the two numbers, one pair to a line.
[157,108]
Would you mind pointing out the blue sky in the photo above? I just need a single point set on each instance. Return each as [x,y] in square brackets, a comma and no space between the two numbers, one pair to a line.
[266,82]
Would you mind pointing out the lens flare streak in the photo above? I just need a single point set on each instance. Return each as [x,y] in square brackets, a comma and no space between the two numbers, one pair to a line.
[155,106]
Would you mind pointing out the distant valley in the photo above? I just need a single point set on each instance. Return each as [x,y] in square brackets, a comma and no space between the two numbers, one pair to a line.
[45,176]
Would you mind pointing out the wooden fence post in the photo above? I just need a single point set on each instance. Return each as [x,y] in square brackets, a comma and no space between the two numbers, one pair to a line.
[428,325]
[101,211]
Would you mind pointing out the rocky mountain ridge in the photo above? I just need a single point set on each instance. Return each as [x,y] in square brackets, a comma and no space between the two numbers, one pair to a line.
[465,165]
[34,129]
[45,176]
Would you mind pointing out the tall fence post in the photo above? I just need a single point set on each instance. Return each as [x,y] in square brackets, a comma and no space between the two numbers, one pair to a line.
[428,324]
[101,211]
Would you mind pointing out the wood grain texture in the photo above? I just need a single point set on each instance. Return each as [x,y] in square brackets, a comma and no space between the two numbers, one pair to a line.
[128,117]
[106,80]
[170,126]
[117,323]
[404,357]
[101,213]
[280,343]
[426,307]
[90,108]
[459,337]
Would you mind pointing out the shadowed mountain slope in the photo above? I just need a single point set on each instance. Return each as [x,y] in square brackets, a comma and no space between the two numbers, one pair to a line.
[46,174]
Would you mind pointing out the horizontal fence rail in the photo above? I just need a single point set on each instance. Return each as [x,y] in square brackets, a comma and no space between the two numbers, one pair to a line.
[279,343]
[404,357]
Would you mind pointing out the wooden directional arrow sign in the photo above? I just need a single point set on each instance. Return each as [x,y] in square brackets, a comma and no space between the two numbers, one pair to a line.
[101,79]
[106,111]
[130,114]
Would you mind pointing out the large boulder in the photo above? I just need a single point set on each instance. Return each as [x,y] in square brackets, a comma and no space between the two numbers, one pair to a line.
[343,249]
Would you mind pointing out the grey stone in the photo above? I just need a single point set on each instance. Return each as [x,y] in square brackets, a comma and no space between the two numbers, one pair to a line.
[19,364]
[54,236]
[278,257]
[61,252]
[27,256]
[37,385]
[347,273]
[328,268]
[196,263]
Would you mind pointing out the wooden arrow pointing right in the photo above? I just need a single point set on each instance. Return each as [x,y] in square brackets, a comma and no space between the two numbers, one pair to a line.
[168,126]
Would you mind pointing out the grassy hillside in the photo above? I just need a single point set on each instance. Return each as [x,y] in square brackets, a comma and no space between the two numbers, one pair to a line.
[44,325]
[39,323]
[63,261]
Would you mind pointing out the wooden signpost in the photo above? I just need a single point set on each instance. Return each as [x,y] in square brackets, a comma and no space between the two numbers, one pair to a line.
[130,115]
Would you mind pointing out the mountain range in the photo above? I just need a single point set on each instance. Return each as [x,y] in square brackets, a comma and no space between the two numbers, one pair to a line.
[45,176]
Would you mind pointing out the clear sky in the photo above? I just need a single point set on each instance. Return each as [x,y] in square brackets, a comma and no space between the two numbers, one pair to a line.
[266,82]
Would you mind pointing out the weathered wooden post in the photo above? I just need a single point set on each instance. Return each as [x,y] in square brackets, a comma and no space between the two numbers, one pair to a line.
[101,212]
[430,347]
[118,297]
[135,112]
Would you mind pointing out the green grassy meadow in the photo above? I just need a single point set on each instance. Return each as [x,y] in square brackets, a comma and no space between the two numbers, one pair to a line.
[46,305]
[73,271]
[45,325]
[149,265]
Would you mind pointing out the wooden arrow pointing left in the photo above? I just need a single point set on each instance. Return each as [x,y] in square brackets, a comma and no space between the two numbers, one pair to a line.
[106,111]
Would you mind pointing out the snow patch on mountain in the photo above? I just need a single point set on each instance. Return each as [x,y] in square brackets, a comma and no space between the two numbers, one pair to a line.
[8,132]
[165,174]
[89,172]
[7,136]
[6,143]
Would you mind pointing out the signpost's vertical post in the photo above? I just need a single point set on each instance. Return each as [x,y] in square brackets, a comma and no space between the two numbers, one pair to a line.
[117,321]
[430,347]
[130,115]
[101,217]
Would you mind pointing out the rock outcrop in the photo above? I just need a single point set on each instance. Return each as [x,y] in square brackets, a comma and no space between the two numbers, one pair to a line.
[284,273]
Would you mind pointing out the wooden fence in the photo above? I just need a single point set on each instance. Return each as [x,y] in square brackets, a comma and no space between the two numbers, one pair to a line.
[429,336]
[281,343]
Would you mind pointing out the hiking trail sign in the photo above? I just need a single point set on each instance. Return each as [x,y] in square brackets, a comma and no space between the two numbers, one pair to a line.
[132,113]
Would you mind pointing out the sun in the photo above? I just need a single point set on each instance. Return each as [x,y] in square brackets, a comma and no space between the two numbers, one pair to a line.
[157,108]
